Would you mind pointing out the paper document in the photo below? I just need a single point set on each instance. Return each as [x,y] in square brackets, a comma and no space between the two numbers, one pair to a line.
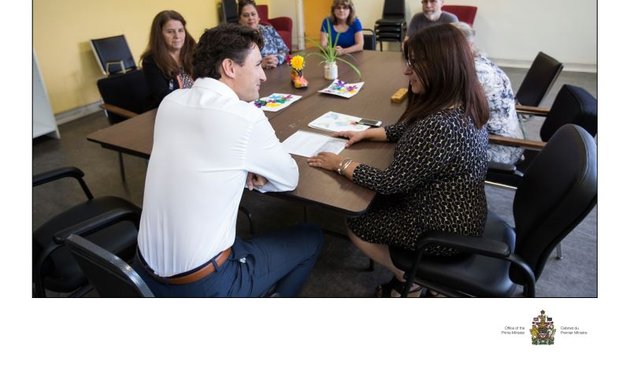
[343,89]
[309,144]
[275,101]
[337,122]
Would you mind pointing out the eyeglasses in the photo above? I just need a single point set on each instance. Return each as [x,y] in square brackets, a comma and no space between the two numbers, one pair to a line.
[429,1]
[342,7]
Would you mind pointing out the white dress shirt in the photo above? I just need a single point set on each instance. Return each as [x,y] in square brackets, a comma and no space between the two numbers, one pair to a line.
[205,142]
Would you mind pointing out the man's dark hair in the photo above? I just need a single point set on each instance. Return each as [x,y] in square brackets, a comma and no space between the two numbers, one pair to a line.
[225,41]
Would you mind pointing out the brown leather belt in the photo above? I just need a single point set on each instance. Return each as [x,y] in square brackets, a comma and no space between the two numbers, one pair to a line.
[191,276]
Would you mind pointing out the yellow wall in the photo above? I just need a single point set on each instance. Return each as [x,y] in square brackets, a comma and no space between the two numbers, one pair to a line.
[62,30]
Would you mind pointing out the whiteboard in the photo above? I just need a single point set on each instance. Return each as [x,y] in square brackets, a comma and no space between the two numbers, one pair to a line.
[43,118]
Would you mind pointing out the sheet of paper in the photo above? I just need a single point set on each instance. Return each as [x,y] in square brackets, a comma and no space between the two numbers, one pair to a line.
[337,122]
[343,89]
[275,101]
[309,144]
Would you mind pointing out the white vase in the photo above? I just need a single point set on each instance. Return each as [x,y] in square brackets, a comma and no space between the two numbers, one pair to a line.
[330,70]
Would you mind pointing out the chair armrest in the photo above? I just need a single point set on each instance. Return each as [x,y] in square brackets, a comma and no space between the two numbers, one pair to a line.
[514,142]
[469,244]
[60,173]
[96,223]
[535,111]
[118,110]
[477,245]
[502,167]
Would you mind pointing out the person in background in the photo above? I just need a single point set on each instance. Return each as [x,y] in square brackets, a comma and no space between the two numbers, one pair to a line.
[436,178]
[167,60]
[274,50]
[496,84]
[344,23]
[431,14]
[209,144]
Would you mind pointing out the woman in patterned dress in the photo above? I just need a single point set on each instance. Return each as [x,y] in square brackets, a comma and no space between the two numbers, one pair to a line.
[167,61]
[436,178]
[274,50]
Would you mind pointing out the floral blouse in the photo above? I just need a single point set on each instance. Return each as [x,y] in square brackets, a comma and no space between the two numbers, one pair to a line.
[503,120]
[274,45]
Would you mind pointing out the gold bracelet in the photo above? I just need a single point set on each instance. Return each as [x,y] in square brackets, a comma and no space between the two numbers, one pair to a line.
[341,164]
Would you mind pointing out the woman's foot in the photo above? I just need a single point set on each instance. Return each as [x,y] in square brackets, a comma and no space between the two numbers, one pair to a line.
[395,287]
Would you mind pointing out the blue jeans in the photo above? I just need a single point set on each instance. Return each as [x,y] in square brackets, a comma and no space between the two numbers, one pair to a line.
[284,259]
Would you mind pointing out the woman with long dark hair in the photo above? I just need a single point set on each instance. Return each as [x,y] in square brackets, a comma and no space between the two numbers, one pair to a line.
[167,60]
[436,178]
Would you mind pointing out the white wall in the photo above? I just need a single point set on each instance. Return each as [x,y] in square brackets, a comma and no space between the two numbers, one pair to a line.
[513,31]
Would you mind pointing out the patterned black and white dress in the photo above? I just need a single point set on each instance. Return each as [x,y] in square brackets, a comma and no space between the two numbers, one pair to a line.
[435,182]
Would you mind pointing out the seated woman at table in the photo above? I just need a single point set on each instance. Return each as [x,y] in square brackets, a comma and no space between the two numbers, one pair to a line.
[274,51]
[496,84]
[167,60]
[342,22]
[436,178]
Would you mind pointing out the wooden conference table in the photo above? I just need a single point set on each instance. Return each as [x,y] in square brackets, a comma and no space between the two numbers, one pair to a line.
[382,73]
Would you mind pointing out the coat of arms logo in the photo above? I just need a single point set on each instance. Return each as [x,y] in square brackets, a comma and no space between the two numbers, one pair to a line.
[542,330]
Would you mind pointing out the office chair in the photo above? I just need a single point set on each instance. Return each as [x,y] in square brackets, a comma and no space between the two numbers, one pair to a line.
[558,190]
[369,39]
[108,274]
[124,96]
[282,24]
[54,268]
[464,13]
[228,11]
[392,26]
[539,79]
[572,105]
[113,55]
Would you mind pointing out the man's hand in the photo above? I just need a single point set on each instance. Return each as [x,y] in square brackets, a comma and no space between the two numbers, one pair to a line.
[254,180]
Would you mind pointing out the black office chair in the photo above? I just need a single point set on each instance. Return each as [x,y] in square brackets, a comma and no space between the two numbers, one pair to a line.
[228,11]
[108,274]
[54,268]
[539,79]
[113,54]
[572,105]
[558,190]
[392,26]
[369,39]
[124,95]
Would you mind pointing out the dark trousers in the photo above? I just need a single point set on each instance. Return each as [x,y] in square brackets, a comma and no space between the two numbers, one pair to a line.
[284,259]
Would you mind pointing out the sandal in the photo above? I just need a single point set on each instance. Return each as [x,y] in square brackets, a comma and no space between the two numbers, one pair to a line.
[429,293]
[395,287]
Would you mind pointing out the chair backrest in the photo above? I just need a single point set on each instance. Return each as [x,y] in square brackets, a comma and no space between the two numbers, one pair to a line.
[394,9]
[538,80]
[109,275]
[558,190]
[113,54]
[126,90]
[369,39]
[263,13]
[573,105]
[229,11]
[465,13]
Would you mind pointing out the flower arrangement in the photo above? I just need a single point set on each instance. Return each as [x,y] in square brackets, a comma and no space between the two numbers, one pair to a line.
[329,52]
[297,78]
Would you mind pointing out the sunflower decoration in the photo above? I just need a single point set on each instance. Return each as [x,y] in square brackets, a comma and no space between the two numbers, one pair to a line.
[297,63]
[297,78]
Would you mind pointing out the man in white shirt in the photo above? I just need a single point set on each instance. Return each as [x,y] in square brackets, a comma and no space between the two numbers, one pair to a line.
[209,143]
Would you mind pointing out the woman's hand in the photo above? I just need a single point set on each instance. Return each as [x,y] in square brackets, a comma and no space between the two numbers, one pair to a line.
[326,160]
[270,61]
[340,50]
[352,136]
